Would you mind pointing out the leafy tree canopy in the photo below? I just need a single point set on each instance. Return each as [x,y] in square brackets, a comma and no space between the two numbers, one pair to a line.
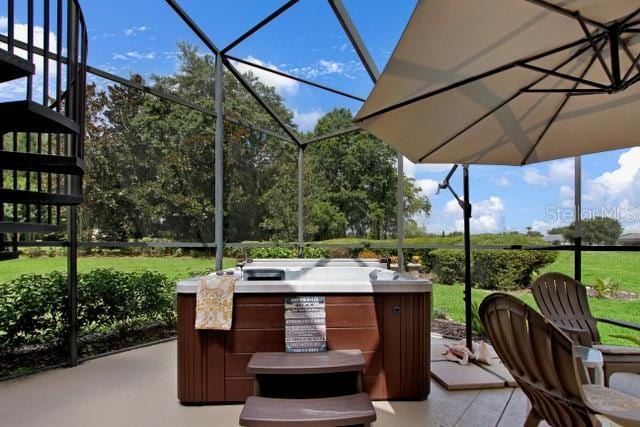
[150,167]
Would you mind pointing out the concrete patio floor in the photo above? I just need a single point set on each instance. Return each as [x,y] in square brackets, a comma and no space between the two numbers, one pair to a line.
[138,388]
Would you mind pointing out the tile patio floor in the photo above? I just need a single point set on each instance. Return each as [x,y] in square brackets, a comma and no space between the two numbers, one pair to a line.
[138,388]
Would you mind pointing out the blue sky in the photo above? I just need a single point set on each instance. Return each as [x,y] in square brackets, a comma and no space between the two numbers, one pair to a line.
[141,36]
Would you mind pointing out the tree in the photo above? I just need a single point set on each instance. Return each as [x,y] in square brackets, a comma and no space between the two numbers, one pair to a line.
[353,183]
[150,167]
[595,231]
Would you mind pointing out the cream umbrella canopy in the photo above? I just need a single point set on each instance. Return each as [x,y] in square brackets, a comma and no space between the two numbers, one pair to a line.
[510,82]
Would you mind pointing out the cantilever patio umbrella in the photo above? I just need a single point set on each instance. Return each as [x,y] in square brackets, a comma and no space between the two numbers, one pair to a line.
[510,82]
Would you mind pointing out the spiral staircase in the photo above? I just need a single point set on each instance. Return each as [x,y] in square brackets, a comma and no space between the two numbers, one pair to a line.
[42,134]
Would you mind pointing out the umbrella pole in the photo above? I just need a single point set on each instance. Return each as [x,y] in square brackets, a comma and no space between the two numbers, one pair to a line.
[577,238]
[467,257]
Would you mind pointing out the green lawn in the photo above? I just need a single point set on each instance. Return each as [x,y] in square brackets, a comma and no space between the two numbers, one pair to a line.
[172,267]
[621,266]
[449,299]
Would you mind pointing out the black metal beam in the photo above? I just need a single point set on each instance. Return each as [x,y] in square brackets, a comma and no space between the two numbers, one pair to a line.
[192,25]
[339,132]
[354,37]
[72,284]
[467,257]
[170,97]
[259,99]
[292,77]
[259,25]
[203,37]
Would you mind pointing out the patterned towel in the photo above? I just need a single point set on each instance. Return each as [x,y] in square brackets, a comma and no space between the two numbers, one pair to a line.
[214,302]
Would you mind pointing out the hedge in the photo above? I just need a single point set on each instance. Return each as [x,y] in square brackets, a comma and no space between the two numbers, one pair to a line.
[33,307]
[490,269]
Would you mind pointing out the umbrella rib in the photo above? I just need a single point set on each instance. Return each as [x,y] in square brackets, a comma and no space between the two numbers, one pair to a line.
[570,91]
[466,128]
[564,76]
[565,12]
[472,79]
[557,112]
[634,63]
[595,49]
[630,17]
[502,104]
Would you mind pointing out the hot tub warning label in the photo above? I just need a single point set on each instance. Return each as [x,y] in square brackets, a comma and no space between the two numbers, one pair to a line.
[305,324]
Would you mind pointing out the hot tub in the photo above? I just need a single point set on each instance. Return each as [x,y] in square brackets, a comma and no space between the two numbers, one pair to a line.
[383,313]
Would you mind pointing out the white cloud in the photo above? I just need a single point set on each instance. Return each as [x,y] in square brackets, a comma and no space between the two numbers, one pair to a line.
[16,89]
[532,176]
[502,181]
[487,215]
[567,194]
[621,182]
[324,67]
[558,172]
[133,55]
[307,121]
[331,67]
[544,226]
[133,31]
[561,171]
[428,187]
[283,85]
[140,55]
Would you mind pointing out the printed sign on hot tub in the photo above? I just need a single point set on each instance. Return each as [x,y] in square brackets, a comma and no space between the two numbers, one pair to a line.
[305,324]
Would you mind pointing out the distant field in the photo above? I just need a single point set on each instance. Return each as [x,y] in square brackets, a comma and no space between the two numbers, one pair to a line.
[621,266]
[173,267]
[450,299]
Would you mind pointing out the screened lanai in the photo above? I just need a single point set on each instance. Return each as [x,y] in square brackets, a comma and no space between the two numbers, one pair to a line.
[218,135]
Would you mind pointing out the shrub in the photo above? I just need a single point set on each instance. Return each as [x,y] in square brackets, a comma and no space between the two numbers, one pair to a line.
[341,253]
[507,269]
[33,307]
[315,252]
[605,287]
[32,310]
[273,252]
[491,269]
[447,265]
[368,253]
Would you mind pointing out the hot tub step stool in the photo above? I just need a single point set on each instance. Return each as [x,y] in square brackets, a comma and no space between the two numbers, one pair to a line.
[355,409]
[307,389]
[307,375]
[278,363]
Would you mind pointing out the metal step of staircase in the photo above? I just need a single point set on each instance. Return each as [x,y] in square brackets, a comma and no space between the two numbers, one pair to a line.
[29,116]
[13,67]
[29,227]
[14,160]
[35,198]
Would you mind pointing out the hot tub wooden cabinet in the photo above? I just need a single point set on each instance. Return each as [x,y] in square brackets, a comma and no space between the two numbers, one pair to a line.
[389,323]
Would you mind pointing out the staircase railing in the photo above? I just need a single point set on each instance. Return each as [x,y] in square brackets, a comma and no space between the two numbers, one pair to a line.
[44,53]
